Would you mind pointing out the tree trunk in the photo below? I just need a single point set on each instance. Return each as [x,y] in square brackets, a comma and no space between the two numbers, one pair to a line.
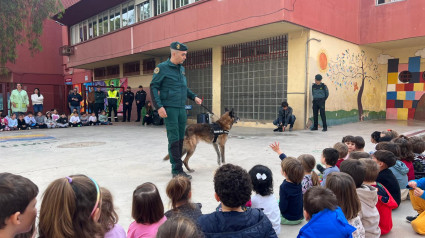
[359,96]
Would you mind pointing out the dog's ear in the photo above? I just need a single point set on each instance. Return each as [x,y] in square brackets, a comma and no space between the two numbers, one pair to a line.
[231,114]
[225,109]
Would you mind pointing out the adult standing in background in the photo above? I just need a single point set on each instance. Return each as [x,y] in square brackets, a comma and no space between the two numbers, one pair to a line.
[99,101]
[19,100]
[320,94]
[169,93]
[113,96]
[37,101]
[74,101]
[128,99]
[140,101]
[90,101]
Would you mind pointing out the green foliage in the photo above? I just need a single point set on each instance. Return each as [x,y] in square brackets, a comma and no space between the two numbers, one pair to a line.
[21,21]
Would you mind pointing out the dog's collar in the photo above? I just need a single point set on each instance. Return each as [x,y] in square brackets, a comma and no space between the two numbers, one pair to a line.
[217,130]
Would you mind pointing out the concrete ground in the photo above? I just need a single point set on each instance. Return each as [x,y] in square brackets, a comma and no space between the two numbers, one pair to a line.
[125,155]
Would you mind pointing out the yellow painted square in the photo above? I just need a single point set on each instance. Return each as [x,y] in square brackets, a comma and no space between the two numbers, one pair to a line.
[392,78]
[418,87]
[401,95]
[402,113]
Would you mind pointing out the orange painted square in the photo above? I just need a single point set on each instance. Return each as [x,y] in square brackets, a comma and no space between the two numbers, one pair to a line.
[407,103]
[399,87]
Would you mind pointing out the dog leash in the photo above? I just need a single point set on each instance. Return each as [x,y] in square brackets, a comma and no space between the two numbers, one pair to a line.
[208,110]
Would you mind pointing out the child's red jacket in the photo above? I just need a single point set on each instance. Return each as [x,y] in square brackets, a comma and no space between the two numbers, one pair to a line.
[385,205]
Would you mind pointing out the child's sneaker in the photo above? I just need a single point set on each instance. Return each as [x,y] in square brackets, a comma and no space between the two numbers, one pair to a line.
[411,218]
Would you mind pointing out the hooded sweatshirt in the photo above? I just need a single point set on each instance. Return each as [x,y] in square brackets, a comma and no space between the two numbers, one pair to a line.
[400,171]
[385,205]
[369,214]
[327,224]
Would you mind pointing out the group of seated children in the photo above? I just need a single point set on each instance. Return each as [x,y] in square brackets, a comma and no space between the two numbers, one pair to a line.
[51,120]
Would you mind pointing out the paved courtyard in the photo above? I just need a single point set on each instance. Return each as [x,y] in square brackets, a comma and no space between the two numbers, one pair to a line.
[125,155]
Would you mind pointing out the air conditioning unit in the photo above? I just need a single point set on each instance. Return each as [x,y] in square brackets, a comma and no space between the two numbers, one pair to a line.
[66,50]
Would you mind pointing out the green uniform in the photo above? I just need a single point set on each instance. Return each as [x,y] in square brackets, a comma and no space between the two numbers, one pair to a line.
[170,81]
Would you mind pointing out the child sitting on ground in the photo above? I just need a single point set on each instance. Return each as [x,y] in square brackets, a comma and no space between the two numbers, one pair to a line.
[342,152]
[418,148]
[21,123]
[48,120]
[329,158]
[12,122]
[103,118]
[386,159]
[359,155]
[39,119]
[178,227]
[55,115]
[18,197]
[62,122]
[3,123]
[400,169]
[389,134]
[30,120]
[386,202]
[375,137]
[310,177]
[147,211]
[179,190]
[325,218]
[344,188]
[75,120]
[233,187]
[93,120]
[350,142]
[368,197]
[84,119]
[406,155]
[262,184]
[290,192]
[359,143]
[109,218]
[417,198]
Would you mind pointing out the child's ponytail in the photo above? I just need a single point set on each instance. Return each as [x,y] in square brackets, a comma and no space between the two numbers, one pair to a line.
[315,179]
[178,190]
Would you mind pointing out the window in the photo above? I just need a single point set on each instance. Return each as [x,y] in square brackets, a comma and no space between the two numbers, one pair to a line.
[148,66]
[113,71]
[105,23]
[117,18]
[162,6]
[128,14]
[144,10]
[90,29]
[100,73]
[111,21]
[131,14]
[132,68]
[85,28]
[100,26]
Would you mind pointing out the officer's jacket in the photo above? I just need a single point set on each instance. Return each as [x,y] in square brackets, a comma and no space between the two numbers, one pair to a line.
[320,91]
[113,96]
[99,97]
[169,86]
[141,96]
[128,97]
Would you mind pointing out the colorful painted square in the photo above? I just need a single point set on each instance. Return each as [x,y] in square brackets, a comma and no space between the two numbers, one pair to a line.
[415,77]
[392,113]
[391,87]
[399,103]
[410,95]
[403,67]
[392,65]
[399,87]
[407,104]
[402,113]
[390,103]
[415,103]
[408,87]
[391,95]
[418,86]
[414,64]
[418,94]
[392,78]
[401,95]
[411,113]
[422,79]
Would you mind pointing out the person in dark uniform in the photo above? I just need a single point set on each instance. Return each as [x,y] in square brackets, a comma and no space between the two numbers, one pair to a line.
[99,101]
[320,94]
[285,118]
[113,97]
[128,99]
[169,92]
[140,101]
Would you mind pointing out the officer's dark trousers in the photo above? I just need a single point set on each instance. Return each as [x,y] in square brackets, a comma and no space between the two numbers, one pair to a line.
[112,106]
[98,107]
[127,109]
[139,110]
[319,104]
[175,124]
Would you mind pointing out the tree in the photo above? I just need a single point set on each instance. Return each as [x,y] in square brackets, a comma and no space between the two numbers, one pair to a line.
[348,69]
[22,22]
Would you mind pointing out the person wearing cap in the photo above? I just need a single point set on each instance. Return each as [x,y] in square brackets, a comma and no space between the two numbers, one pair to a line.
[320,94]
[169,93]
[140,101]
[128,99]
[99,101]
[113,97]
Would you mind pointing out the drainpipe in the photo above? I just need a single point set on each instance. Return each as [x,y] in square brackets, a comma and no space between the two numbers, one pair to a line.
[306,78]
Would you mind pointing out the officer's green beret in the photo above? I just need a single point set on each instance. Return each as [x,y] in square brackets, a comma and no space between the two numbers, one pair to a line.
[318,77]
[178,46]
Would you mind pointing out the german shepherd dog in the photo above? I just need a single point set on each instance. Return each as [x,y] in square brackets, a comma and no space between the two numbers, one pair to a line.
[205,132]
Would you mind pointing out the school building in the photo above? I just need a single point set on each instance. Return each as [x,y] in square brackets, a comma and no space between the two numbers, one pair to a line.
[251,55]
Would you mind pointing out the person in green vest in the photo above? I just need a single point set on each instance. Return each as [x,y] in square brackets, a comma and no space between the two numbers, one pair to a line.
[19,100]
[169,93]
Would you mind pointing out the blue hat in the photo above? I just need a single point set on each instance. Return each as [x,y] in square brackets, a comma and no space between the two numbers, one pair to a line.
[318,77]
[178,46]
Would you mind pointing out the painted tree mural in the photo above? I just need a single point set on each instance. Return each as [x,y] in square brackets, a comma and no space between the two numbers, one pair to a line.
[349,70]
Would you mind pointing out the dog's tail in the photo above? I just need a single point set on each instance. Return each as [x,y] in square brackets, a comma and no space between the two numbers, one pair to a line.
[167,157]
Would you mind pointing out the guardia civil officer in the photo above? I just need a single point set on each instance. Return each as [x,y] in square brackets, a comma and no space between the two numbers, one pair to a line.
[99,101]
[113,96]
[140,101]
[320,94]
[128,99]
[169,93]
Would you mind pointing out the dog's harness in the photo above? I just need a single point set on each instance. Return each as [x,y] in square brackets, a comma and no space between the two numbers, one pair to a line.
[217,130]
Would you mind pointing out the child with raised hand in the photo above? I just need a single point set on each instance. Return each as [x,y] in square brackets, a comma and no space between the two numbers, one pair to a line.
[386,202]
[325,218]
[18,197]
[179,190]
[178,227]
[417,198]
[342,152]
[71,208]
[329,158]
[342,185]
[368,197]
[386,159]
[290,192]
[147,211]
[109,218]
[406,154]
[418,148]
[233,188]
[262,184]
[275,147]
[310,177]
